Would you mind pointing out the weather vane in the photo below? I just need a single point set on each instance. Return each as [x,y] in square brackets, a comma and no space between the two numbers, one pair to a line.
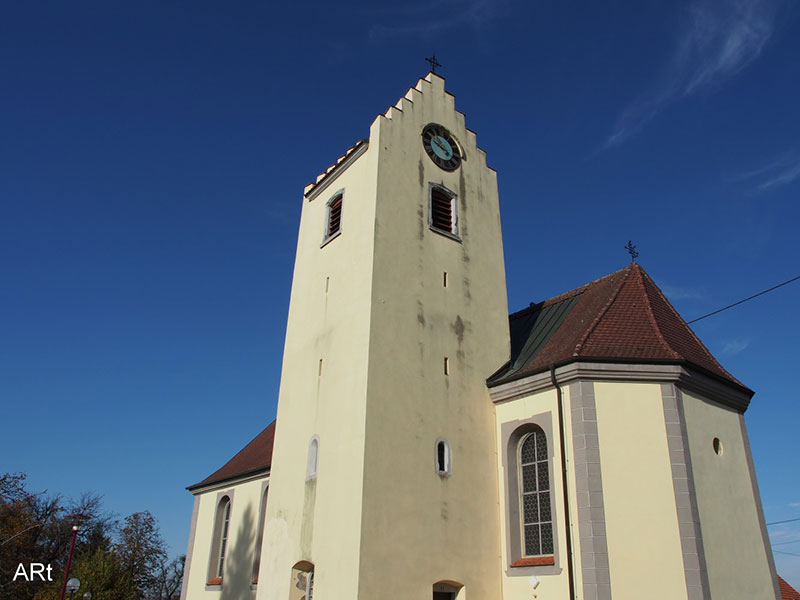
[632,251]
[434,63]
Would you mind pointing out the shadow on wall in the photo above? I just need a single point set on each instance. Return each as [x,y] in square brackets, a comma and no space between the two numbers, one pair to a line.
[239,561]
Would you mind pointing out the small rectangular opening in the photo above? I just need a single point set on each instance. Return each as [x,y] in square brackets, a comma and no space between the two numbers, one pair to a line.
[327,284]
[320,367]
[446,366]
[444,279]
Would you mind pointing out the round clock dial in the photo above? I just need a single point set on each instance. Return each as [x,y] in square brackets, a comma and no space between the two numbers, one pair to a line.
[441,147]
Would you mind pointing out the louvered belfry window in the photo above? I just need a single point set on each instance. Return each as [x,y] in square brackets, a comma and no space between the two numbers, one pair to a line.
[334,216]
[442,207]
[537,520]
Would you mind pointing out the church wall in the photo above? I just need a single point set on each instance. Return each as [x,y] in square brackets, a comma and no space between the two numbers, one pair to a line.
[540,408]
[419,528]
[241,546]
[318,520]
[738,562]
[641,522]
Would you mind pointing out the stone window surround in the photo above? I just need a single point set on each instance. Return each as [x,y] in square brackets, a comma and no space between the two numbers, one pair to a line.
[213,558]
[511,433]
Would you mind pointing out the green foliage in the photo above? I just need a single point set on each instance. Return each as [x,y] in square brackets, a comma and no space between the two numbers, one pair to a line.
[113,561]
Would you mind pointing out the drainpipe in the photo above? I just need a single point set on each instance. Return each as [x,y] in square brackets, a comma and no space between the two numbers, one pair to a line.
[561,438]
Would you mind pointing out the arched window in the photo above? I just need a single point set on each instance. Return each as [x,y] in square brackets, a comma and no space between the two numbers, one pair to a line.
[313,458]
[535,509]
[219,542]
[260,537]
[333,217]
[302,586]
[442,457]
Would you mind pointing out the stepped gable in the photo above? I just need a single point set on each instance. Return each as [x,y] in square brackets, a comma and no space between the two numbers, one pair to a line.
[622,316]
[422,86]
[787,591]
[254,457]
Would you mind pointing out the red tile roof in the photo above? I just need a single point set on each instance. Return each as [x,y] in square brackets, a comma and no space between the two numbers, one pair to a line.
[787,591]
[622,316]
[255,456]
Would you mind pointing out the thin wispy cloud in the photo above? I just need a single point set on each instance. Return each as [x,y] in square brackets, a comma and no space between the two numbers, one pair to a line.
[674,292]
[732,347]
[716,40]
[780,171]
[435,16]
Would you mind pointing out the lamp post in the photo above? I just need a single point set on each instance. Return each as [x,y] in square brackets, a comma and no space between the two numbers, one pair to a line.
[69,564]
[73,585]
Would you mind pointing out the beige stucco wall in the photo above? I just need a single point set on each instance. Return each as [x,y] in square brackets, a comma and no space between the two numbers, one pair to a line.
[419,528]
[241,546]
[553,581]
[644,544]
[736,558]
[319,521]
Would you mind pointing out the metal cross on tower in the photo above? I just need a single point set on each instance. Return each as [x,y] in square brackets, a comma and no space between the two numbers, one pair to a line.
[434,63]
[632,251]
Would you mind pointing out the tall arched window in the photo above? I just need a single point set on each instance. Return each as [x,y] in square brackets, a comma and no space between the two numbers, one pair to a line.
[260,537]
[219,542]
[535,509]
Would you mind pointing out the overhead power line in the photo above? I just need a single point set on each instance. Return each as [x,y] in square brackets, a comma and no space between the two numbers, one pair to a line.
[774,287]
[788,553]
[786,521]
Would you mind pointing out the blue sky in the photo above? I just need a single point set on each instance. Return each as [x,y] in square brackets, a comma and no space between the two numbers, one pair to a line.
[152,163]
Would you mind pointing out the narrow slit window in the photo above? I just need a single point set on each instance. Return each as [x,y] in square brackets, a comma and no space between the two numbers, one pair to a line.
[446,366]
[442,457]
[443,216]
[444,279]
[313,458]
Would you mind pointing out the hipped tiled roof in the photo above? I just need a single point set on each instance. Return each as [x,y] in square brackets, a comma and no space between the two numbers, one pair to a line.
[787,591]
[623,316]
[255,456]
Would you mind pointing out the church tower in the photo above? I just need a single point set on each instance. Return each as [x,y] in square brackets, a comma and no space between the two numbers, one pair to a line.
[384,478]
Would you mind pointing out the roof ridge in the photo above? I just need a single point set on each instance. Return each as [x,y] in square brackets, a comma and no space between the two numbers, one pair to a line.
[602,311]
[686,325]
[649,309]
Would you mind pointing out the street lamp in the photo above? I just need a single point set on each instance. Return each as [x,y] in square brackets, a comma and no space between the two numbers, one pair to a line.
[87,596]
[73,585]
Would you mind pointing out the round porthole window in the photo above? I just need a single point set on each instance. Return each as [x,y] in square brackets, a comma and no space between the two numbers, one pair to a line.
[717,445]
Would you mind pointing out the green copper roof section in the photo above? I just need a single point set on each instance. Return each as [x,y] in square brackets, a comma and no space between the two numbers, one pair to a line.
[531,331]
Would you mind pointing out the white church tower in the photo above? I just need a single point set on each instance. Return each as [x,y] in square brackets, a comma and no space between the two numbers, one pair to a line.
[398,315]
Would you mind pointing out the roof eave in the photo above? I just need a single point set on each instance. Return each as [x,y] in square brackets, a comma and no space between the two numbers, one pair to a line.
[198,487]
[738,396]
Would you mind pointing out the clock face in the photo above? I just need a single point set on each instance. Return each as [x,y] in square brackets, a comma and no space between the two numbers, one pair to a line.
[441,147]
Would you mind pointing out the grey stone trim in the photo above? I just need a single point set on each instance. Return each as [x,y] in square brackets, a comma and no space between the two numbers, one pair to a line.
[757,497]
[339,169]
[595,571]
[511,433]
[190,548]
[694,561]
[687,377]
